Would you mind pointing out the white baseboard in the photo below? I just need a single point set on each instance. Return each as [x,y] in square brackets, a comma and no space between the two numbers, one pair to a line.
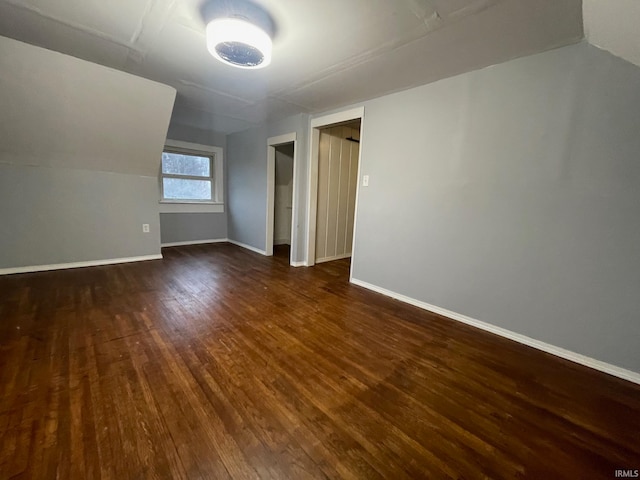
[298,264]
[335,257]
[194,242]
[248,247]
[503,332]
[90,263]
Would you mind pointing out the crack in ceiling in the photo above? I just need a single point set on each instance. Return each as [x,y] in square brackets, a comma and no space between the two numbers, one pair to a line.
[320,48]
[145,14]
[198,86]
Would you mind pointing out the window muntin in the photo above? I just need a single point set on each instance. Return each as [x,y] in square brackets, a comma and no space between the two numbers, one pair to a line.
[187,177]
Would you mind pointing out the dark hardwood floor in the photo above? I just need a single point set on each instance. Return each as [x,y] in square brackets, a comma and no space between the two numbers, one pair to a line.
[219,363]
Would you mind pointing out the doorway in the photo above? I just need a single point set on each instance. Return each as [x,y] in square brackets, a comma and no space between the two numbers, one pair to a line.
[283,201]
[317,223]
[338,153]
[281,231]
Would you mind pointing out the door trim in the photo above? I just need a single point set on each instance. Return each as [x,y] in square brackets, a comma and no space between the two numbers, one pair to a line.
[312,200]
[272,143]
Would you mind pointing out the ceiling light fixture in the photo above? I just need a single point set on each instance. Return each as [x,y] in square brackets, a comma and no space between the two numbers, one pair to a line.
[239,43]
[239,33]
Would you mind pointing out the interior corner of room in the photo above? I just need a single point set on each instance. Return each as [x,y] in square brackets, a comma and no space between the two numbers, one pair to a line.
[505,194]
[486,176]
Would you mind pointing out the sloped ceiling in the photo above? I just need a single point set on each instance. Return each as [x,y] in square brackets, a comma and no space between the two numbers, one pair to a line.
[326,54]
[614,25]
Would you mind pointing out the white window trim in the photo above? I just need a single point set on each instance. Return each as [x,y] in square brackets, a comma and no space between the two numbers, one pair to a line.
[197,206]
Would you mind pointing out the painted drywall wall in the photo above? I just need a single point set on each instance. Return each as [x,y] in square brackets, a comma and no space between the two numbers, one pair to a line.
[511,195]
[196,226]
[79,151]
[192,227]
[283,195]
[61,111]
[191,134]
[247,186]
[613,26]
[59,215]
[337,181]
[247,182]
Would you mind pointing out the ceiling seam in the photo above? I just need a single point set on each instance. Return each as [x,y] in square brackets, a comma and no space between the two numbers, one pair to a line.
[391,46]
[89,31]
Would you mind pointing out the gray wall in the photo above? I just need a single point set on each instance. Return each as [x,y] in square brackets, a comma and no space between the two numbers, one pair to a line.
[512,195]
[187,133]
[79,150]
[247,182]
[59,215]
[192,227]
[247,186]
[196,226]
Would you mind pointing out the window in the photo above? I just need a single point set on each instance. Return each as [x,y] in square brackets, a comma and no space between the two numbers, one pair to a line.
[191,178]
[186,177]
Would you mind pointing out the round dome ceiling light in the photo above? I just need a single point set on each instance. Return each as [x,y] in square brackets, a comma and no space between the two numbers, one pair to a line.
[238,42]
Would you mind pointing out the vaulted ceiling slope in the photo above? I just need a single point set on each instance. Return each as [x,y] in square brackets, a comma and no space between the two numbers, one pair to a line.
[326,54]
[614,25]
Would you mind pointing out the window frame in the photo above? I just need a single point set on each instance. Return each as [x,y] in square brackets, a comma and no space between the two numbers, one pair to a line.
[215,155]
[210,177]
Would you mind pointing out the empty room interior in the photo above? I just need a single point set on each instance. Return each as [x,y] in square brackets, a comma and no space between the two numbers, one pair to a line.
[286,239]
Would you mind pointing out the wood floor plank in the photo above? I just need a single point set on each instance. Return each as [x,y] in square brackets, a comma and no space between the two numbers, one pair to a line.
[217,363]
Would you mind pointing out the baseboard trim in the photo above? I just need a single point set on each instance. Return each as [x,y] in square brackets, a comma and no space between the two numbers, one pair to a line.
[248,247]
[194,242]
[90,263]
[503,332]
[298,264]
[335,257]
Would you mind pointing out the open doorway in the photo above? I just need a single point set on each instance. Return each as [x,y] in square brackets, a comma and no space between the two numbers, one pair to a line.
[338,153]
[334,187]
[281,232]
[283,201]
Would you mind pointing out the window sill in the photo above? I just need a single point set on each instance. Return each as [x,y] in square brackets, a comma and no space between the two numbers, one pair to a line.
[191,207]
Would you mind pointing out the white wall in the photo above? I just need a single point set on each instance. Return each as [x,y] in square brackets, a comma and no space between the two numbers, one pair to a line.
[79,154]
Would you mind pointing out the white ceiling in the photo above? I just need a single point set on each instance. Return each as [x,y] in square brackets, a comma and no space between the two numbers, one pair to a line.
[326,53]
[614,25]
